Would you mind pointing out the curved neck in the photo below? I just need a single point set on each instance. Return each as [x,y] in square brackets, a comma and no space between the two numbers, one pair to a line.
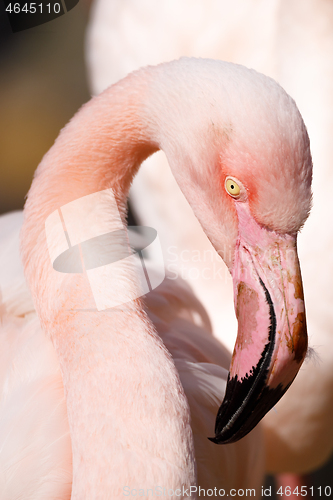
[101,147]
[128,416]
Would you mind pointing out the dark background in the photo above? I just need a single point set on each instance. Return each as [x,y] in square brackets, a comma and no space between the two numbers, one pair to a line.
[42,83]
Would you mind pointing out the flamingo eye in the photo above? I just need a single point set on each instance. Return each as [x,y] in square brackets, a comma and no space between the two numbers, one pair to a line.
[232,187]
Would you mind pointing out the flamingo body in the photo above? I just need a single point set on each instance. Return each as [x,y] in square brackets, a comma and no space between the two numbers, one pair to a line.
[35,437]
[129,385]
[292,42]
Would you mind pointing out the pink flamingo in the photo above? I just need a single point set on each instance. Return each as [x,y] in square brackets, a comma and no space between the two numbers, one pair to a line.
[227,132]
[291,42]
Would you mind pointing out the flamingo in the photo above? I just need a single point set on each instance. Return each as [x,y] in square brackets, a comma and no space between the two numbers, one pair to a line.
[141,400]
[291,42]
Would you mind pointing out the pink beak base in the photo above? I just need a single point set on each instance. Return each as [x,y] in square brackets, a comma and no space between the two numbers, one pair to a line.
[272,337]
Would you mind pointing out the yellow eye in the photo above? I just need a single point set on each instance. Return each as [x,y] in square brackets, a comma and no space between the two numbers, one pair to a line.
[232,187]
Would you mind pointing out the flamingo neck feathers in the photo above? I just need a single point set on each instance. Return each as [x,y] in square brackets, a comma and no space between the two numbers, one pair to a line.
[128,415]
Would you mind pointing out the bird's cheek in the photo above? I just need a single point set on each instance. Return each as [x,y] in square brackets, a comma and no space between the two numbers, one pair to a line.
[226,240]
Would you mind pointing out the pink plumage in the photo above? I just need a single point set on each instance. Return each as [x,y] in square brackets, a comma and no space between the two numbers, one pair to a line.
[133,390]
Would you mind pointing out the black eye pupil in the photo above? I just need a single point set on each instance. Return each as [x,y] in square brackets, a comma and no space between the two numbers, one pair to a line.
[232,186]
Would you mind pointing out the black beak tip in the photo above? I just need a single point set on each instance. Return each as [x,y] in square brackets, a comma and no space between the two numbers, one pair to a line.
[248,399]
[232,425]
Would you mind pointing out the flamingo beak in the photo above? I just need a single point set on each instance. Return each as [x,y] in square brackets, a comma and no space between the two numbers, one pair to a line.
[272,337]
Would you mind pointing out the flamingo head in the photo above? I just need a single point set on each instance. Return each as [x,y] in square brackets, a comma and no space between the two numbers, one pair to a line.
[250,187]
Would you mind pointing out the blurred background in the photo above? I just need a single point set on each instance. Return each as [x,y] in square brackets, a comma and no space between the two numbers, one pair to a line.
[43,81]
